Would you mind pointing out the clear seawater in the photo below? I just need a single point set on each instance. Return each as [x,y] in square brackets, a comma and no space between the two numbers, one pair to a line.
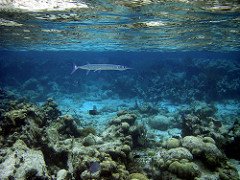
[181,51]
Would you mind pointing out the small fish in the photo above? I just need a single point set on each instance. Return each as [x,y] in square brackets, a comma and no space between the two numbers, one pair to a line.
[99,67]
[93,112]
[95,166]
[215,123]
[142,160]
[136,156]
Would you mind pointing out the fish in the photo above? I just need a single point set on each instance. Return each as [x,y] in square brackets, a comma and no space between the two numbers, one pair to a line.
[93,112]
[95,166]
[100,67]
[142,160]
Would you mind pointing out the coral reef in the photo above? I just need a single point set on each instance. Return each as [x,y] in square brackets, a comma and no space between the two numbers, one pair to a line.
[86,131]
[22,162]
[38,142]
[50,108]
[180,80]
[191,159]
[233,141]
[124,125]
[226,138]
[146,109]
[160,122]
[65,150]
[184,81]
[137,176]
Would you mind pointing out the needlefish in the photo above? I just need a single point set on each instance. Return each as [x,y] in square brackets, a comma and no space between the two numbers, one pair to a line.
[100,67]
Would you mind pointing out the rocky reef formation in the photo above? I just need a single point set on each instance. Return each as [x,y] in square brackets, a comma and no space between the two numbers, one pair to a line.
[194,158]
[38,142]
[19,162]
[179,80]
[183,81]
[226,138]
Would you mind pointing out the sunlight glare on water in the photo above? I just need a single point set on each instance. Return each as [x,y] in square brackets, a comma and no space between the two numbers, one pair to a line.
[145,25]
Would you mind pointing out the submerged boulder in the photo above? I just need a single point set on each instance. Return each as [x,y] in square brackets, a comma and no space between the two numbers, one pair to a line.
[160,122]
[23,163]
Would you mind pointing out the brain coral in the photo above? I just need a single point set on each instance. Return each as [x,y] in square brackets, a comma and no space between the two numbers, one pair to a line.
[137,176]
[176,154]
[206,150]
[187,170]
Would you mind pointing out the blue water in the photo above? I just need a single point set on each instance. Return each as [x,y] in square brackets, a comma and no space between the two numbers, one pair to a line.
[205,75]
[175,79]
[174,83]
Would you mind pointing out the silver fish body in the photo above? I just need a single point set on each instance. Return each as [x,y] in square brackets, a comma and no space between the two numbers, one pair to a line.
[100,67]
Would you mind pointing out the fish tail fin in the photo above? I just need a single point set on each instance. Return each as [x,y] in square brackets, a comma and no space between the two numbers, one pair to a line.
[74,68]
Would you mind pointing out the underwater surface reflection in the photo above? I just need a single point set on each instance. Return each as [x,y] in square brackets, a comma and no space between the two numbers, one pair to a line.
[120,25]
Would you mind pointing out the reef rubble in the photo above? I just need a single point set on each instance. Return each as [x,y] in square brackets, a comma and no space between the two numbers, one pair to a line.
[39,142]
